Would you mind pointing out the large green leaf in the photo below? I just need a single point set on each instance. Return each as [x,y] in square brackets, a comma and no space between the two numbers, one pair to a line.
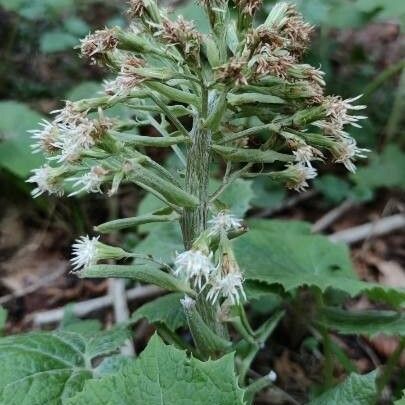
[165,375]
[166,310]
[15,151]
[294,260]
[57,41]
[48,368]
[162,242]
[364,322]
[355,390]
[385,170]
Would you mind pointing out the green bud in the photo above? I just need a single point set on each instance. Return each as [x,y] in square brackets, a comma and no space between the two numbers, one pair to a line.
[253,98]
[131,222]
[207,341]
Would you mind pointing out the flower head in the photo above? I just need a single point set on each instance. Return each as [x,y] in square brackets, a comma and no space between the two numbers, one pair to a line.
[69,114]
[249,7]
[136,8]
[48,180]
[45,137]
[229,286]
[347,151]
[183,34]
[337,115]
[304,155]
[84,252]
[88,251]
[99,42]
[194,266]
[224,222]
[232,72]
[89,182]
[127,79]
[300,174]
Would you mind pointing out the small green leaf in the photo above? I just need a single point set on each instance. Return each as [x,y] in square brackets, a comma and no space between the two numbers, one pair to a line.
[356,389]
[164,374]
[166,310]
[57,41]
[364,322]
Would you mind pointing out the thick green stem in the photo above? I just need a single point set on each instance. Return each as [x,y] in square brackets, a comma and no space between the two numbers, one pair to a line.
[194,219]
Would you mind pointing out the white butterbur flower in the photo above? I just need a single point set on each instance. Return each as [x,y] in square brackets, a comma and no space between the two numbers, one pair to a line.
[195,266]
[229,286]
[47,180]
[84,252]
[88,251]
[68,115]
[304,155]
[347,152]
[304,173]
[224,222]
[45,137]
[127,79]
[89,182]
[74,139]
[338,116]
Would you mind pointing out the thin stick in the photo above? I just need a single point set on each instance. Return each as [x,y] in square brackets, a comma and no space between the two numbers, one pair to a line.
[371,229]
[83,308]
[43,281]
[116,289]
[332,216]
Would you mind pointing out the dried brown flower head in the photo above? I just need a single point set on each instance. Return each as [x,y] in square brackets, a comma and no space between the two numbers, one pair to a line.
[232,72]
[98,43]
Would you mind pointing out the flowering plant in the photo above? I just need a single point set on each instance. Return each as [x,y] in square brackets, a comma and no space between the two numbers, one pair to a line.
[239,98]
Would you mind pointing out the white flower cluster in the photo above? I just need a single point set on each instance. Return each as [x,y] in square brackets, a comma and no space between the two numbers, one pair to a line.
[63,142]
[338,115]
[198,268]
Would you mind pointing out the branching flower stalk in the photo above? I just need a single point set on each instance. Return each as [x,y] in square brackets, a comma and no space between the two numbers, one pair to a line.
[240,97]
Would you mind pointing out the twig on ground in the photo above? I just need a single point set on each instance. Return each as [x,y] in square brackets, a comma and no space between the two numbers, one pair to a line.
[42,282]
[286,204]
[116,289]
[332,216]
[85,307]
[371,229]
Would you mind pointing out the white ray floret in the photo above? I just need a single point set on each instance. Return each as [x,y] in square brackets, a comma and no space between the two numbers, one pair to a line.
[195,266]
[89,182]
[45,137]
[46,180]
[224,222]
[84,252]
[305,173]
[348,152]
[229,286]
